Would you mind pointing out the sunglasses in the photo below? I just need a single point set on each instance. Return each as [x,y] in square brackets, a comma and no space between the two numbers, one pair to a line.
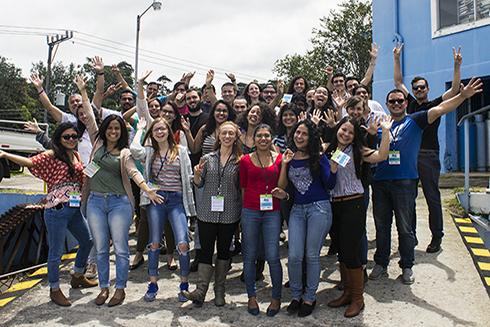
[419,87]
[399,101]
[68,137]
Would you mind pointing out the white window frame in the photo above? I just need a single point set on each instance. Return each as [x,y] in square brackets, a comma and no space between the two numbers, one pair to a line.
[436,32]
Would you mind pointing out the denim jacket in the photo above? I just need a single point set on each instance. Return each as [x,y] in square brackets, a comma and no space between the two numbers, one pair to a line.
[144,154]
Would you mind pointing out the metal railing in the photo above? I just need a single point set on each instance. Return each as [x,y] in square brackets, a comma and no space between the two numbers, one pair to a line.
[18,122]
[465,120]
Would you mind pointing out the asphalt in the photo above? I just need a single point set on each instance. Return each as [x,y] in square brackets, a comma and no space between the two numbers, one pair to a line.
[448,291]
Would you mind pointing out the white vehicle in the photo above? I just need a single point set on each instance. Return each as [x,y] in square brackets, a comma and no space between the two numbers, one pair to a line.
[17,141]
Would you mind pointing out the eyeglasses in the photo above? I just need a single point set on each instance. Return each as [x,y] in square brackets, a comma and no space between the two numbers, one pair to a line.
[159,129]
[68,137]
[168,112]
[269,92]
[419,87]
[399,101]
[266,135]
[221,111]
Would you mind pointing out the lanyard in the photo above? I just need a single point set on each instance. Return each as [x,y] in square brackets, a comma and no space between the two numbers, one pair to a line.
[263,170]
[397,129]
[221,174]
[105,154]
[163,161]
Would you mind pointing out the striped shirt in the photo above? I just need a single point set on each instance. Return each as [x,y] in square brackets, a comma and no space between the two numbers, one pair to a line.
[167,174]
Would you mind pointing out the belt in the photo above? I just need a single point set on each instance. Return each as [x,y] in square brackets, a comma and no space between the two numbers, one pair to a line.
[347,198]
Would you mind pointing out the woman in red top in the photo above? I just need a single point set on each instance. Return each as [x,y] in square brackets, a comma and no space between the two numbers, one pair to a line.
[259,173]
[61,168]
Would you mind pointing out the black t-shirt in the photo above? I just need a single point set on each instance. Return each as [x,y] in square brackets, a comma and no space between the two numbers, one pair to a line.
[430,140]
[196,123]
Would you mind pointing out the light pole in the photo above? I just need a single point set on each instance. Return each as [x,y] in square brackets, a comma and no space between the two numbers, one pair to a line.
[157,5]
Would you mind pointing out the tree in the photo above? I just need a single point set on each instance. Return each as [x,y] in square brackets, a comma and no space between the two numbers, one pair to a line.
[13,92]
[343,42]
[161,81]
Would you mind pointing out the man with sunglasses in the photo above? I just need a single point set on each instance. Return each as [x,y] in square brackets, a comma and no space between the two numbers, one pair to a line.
[395,180]
[428,164]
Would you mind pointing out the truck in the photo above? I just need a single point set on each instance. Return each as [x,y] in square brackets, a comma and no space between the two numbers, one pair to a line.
[17,141]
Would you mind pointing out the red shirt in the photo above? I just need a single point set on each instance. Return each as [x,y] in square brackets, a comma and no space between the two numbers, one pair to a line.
[55,173]
[252,179]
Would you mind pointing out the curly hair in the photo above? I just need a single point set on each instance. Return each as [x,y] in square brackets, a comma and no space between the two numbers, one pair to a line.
[59,150]
[268,116]
[291,85]
[210,126]
[314,146]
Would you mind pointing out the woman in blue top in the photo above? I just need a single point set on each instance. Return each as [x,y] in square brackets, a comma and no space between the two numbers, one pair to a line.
[311,217]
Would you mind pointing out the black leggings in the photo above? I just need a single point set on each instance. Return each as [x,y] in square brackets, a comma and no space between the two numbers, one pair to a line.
[222,234]
[349,221]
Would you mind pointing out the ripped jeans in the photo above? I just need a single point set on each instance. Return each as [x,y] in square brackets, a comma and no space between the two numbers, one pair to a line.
[173,208]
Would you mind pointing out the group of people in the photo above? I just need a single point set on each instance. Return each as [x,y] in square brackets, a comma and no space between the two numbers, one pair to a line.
[241,163]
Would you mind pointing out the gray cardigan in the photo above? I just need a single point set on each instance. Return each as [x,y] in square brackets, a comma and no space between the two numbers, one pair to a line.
[144,154]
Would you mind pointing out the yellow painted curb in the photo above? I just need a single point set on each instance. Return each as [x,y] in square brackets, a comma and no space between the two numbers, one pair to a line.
[68,256]
[40,271]
[468,229]
[484,265]
[463,220]
[474,240]
[23,285]
[5,301]
[481,252]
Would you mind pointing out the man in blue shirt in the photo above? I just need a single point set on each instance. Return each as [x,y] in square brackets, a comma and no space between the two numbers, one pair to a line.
[395,180]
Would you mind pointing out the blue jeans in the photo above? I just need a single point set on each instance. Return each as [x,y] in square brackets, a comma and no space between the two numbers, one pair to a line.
[57,223]
[396,196]
[110,215]
[172,207]
[270,223]
[308,228]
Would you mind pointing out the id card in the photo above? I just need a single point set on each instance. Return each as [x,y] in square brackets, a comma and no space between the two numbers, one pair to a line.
[91,169]
[340,157]
[394,158]
[74,199]
[287,98]
[217,203]
[266,202]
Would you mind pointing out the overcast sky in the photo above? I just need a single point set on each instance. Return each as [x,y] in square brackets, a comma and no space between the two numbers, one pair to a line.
[243,37]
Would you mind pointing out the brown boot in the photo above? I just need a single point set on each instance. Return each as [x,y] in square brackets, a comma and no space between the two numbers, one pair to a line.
[102,297]
[118,297]
[205,272]
[345,298]
[356,280]
[219,281]
[79,280]
[58,297]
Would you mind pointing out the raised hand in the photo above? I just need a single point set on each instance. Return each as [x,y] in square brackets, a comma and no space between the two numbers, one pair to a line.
[112,89]
[373,125]
[339,100]
[287,156]
[328,70]
[317,116]
[231,76]
[329,118]
[374,50]
[145,76]
[186,125]
[199,167]
[473,87]
[141,124]
[186,78]
[397,51]
[209,77]
[32,126]
[458,58]
[80,82]
[37,81]
[280,86]
[303,115]
[386,123]
[97,64]
[115,70]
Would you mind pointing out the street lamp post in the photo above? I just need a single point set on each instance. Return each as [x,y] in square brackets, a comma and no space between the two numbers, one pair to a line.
[157,5]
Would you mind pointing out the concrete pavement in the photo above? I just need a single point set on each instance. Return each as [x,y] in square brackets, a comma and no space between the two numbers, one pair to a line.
[447,291]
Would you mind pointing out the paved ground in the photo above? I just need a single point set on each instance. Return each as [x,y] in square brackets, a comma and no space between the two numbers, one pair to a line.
[447,292]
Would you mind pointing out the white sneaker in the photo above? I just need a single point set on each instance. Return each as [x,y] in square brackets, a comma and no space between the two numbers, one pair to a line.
[91,271]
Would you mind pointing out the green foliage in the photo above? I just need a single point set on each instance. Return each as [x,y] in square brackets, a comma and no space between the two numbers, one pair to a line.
[343,42]
[13,92]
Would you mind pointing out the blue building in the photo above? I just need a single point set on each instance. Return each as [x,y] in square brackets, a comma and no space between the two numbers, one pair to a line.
[429,29]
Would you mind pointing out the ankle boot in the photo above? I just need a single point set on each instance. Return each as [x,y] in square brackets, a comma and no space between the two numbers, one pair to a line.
[117,298]
[79,280]
[205,272]
[356,280]
[345,298]
[103,295]
[58,297]
[219,282]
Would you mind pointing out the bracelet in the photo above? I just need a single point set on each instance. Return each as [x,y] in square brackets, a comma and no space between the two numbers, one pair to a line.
[371,64]
[287,199]
[100,73]
[41,92]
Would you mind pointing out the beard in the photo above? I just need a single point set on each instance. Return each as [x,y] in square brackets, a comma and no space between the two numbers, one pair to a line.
[196,108]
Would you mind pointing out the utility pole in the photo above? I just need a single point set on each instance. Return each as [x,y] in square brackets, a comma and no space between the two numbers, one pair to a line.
[53,41]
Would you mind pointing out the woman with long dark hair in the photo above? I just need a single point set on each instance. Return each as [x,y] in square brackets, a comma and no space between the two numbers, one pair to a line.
[61,168]
[310,172]
[219,211]
[253,93]
[286,120]
[348,205]
[110,199]
[298,84]
[167,166]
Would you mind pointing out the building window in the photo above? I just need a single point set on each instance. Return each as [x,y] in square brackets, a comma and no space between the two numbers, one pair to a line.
[453,16]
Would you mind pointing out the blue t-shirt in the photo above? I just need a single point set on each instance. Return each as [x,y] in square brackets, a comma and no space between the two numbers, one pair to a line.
[405,136]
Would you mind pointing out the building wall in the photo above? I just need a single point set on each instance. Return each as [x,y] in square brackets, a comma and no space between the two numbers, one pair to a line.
[424,56]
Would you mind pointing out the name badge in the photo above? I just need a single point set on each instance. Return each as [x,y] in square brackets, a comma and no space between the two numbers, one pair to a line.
[217,203]
[266,202]
[74,199]
[340,157]
[394,158]
[91,169]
